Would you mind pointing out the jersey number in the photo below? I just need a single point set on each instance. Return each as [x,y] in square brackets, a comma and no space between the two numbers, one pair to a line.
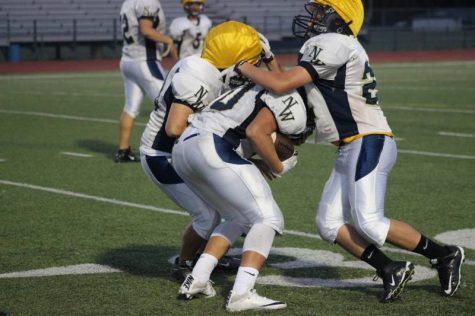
[219,105]
[125,30]
[197,41]
[370,93]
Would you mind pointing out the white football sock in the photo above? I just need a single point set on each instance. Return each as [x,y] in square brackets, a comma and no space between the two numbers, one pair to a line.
[204,267]
[245,280]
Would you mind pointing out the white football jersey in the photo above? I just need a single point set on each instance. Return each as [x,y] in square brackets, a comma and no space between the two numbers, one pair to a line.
[192,81]
[189,35]
[230,114]
[343,93]
[136,46]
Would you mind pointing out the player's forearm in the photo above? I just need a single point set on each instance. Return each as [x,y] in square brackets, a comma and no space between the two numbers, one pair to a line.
[156,36]
[264,147]
[271,80]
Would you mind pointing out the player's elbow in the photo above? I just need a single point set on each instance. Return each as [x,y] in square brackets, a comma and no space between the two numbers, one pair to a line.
[253,132]
[174,131]
[280,86]
[279,89]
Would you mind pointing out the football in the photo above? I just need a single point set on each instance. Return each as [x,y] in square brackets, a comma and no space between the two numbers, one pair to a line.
[283,146]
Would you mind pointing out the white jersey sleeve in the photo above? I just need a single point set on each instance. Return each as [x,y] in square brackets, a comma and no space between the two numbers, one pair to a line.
[194,86]
[192,81]
[325,56]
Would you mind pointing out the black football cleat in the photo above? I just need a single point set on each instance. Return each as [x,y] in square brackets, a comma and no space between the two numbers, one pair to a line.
[228,264]
[126,155]
[225,264]
[395,275]
[181,270]
[449,269]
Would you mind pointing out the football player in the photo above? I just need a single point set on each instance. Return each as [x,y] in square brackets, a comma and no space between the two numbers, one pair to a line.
[143,27]
[341,87]
[205,157]
[189,87]
[189,31]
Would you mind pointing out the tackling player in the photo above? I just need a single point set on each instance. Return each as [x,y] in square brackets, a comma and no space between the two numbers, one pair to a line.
[205,157]
[143,27]
[341,88]
[189,31]
[189,87]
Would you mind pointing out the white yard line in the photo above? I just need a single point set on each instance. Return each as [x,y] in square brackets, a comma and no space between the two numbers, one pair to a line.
[152,208]
[427,153]
[2,160]
[86,268]
[60,76]
[66,117]
[433,110]
[68,153]
[425,64]
[123,203]
[101,120]
[93,197]
[69,94]
[455,134]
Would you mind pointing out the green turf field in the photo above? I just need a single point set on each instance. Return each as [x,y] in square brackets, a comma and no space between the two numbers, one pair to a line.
[65,203]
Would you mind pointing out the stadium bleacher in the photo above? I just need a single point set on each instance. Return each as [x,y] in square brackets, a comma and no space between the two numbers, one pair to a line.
[26,21]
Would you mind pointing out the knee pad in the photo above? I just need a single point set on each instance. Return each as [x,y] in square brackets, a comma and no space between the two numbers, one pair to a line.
[327,226]
[374,231]
[205,223]
[229,230]
[259,239]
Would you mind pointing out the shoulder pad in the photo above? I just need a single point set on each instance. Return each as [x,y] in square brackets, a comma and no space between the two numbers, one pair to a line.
[289,111]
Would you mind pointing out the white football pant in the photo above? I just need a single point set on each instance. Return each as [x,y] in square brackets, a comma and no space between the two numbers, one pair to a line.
[356,188]
[232,185]
[161,172]
[140,78]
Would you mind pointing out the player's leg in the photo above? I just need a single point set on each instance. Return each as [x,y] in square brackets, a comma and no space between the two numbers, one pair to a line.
[133,99]
[237,189]
[447,260]
[204,218]
[152,79]
[372,159]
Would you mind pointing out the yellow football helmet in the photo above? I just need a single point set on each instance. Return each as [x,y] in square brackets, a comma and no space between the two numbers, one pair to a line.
[230,42]
[337,16]
[193,7]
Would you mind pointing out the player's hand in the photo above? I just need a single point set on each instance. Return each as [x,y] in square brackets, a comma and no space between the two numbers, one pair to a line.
[267,54]
[263,168]
[288,164]
[232,78]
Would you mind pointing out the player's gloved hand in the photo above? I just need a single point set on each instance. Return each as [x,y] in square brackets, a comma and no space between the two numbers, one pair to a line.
[288,163]
[267,54]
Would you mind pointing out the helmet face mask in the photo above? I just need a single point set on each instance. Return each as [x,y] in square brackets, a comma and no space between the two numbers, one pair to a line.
[193,7]
[321,19]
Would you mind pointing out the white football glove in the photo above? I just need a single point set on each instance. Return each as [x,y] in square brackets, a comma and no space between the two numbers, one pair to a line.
[267,54]
[288,163]
[232,79]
